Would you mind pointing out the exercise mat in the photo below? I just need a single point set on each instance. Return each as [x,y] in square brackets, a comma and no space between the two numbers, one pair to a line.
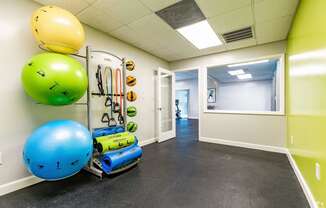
[107,131]
[114,160]
[114,142]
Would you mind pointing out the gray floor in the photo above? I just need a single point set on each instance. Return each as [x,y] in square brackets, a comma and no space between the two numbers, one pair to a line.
[178,173]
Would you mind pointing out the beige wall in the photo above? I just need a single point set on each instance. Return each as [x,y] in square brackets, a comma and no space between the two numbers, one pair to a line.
[257,129]
[19,113]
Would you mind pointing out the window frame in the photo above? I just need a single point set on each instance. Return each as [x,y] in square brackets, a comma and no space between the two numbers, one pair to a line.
[281,112]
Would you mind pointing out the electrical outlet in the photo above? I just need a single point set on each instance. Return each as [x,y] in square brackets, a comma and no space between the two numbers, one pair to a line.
[317,171]
[291,139]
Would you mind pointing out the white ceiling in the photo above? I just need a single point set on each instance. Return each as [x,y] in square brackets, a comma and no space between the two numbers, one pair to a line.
[135,22]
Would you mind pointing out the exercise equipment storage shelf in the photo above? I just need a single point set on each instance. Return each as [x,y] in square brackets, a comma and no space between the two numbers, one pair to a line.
[93,166]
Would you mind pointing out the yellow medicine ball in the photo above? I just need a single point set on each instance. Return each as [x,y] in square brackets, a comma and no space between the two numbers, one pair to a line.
[131,96]
[131,81]
[130,65]
[57,29]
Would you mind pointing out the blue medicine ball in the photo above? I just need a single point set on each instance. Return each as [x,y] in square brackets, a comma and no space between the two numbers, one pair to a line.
[58,149]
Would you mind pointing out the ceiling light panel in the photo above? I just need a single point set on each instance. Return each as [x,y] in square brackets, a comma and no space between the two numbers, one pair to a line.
[200,35]
[244,76]
[248,63]
[236,72]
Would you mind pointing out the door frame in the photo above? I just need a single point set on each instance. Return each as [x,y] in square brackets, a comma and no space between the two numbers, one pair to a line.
[171,134]
[188,98]
[199,92]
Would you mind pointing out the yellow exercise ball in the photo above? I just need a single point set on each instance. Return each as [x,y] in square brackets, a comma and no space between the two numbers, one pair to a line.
[57,29]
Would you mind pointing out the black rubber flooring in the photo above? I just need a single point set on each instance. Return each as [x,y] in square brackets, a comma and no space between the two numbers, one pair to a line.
[181,173]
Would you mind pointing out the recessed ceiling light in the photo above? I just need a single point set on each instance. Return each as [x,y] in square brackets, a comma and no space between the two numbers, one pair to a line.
[248,63]
[200,34]
[236,72]
[244,76]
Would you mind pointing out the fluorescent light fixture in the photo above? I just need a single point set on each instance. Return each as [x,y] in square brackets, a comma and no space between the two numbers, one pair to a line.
[236,72]
[244,76]
[248,63]
[200,35]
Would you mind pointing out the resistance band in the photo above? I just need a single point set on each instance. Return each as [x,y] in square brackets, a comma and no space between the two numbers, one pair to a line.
[119,93]
[99,80]
[106,118]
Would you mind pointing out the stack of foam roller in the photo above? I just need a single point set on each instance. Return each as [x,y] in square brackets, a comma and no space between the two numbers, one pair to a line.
[117,148]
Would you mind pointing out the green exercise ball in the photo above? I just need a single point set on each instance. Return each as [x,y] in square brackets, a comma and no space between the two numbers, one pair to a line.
[54,79]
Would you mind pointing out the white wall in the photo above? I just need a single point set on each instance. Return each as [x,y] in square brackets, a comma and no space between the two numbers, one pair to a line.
[20,115]
[245,96]
[256,129]
[192,86]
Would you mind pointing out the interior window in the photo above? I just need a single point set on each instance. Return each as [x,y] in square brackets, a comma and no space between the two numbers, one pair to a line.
[249,86]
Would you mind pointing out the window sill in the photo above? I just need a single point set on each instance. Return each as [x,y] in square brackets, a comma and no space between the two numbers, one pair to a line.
[267,113]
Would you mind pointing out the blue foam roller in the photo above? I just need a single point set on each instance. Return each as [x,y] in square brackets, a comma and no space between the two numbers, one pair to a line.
[107,131]
[113,160]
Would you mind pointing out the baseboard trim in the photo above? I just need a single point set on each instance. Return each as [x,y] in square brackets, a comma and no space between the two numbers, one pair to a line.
[147,142]
[267,148]
[302,181]
[31,180]
[18,184]
[311,200]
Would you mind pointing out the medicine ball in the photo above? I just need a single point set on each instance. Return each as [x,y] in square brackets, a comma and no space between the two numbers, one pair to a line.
[130,65]
[131,96]
[132,126]
[131,81]
[131,111]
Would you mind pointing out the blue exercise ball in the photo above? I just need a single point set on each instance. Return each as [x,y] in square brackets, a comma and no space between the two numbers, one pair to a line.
[58,149]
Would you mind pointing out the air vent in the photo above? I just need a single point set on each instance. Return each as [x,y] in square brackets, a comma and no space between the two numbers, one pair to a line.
[181,14]
[237,35]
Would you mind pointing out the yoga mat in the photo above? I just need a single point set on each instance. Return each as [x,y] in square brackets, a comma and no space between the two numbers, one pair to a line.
[114,142]
[114,160]
[107,131]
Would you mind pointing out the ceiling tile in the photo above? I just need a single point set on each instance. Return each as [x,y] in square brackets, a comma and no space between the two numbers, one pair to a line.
[241,44]
[125,11]
[74,6]
[153,27]
[156,5]
[273,30]
[217,7]
[212,50]
[126,34]
[233,20]
[100,20]
[271,9]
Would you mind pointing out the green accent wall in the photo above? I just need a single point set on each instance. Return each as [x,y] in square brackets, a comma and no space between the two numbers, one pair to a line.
[306,93]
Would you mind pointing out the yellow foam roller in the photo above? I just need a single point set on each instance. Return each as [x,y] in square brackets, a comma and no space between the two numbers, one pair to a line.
[57,29]
[114,141]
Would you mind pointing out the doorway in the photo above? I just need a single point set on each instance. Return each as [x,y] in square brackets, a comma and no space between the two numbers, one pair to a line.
[187,105]
[165,112]
[182,103]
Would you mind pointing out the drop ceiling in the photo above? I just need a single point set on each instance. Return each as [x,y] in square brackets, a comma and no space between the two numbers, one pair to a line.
[135,22]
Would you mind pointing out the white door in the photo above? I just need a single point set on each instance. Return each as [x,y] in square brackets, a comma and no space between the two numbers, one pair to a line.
[165,106]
